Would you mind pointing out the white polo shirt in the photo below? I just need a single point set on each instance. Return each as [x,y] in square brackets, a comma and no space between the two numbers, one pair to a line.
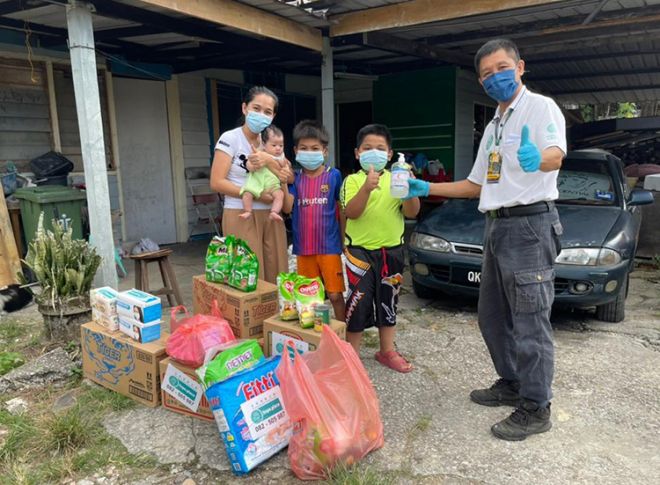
[547,128]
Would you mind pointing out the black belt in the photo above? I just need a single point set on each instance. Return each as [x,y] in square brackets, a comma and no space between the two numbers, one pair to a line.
[522,210]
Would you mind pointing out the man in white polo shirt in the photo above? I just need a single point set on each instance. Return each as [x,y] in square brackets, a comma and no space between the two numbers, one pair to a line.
[515,177]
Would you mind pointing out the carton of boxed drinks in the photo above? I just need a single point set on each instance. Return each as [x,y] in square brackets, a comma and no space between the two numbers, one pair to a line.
[277,332]
[121,364]
[181,390]
[139,306]
[104,307]
[244,311]
[142,332]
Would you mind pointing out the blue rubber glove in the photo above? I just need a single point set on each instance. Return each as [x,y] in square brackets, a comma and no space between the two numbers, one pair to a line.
[529,155]
[417,188]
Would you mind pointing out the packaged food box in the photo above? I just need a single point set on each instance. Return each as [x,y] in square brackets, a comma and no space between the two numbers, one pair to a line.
[182,391]
[138,305]
[250,415]
[277,332]
[121,364]
[244,311]
[142,332]
[104,307]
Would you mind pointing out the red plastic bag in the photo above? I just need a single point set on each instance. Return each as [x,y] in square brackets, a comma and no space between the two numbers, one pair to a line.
[333,407]
[192,337]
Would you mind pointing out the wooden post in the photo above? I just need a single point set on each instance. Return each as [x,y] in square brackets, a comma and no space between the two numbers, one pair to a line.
[328,97]
[88,107]
[176,154]
[52,103]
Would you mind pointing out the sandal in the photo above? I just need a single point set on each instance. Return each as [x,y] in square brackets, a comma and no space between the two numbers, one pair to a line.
[394,360]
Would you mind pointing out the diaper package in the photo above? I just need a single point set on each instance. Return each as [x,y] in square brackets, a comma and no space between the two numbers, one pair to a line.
[236,358]
[250,415]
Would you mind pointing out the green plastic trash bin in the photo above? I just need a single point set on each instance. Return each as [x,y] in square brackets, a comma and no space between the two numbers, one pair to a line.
[56,203]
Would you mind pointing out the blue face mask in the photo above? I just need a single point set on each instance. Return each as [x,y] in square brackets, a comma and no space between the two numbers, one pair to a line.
[502,85]
[310,160]
[373,158]
[257,122]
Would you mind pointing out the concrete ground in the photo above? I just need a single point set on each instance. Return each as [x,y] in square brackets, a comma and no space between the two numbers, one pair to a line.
[606,409]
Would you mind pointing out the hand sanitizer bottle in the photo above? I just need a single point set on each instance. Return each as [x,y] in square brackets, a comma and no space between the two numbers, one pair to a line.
[400,176]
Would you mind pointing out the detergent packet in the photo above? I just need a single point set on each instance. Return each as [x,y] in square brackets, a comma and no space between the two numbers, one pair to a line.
[308,293]
[287,300]
[219,256]
[236,358]
[250,415]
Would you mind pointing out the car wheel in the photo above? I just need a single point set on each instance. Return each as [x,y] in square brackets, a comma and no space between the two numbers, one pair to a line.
[614,312]
[424,292]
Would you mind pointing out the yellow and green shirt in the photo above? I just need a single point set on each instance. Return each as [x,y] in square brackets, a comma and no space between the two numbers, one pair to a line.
[381,225]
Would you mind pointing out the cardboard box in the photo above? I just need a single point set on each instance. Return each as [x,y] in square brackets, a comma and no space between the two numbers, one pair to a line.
[121,364]
[142,332]
[181,395]
[244,311]
[139,305]
[104,307]
[277,331]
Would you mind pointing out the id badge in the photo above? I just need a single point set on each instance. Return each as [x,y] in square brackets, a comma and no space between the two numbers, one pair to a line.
[494,167]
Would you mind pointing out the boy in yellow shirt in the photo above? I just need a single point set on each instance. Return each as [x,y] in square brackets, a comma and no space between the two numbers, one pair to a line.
[374,245]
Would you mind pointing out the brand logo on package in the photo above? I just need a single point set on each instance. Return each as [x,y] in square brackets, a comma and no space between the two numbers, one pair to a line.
[258,386]
[238,360]
[112,359]
[182,388]
[281,340]
[311,289]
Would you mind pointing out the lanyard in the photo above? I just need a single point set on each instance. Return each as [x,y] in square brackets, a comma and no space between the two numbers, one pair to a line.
[504,120]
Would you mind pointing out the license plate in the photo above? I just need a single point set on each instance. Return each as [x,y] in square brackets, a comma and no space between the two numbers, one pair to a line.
[465,276]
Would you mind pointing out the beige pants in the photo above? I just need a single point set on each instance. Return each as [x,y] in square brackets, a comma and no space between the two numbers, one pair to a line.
[265,237]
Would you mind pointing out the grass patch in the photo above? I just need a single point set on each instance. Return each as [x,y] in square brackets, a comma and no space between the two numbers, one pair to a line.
[423,423]
[358,475]
[68,431]
[12,330]
[49,448]
[9,361]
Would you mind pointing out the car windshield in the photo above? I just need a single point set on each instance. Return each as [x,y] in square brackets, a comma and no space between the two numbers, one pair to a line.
[585,182]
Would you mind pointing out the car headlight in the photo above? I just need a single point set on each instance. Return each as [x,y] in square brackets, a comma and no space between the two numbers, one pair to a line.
[588,257]
[429,243]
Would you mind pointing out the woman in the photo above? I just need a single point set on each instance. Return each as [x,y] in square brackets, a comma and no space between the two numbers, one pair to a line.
[237,152]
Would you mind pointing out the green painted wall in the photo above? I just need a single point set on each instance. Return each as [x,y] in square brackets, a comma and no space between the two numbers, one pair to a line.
[419,109]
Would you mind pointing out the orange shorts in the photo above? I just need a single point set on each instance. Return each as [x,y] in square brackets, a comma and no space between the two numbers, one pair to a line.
[328,266]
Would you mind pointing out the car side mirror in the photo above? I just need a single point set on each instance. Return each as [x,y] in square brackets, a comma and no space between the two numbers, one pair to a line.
[641,197]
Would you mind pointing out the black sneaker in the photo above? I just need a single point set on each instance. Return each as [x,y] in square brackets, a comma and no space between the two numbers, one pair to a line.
[526,420]
[502,393]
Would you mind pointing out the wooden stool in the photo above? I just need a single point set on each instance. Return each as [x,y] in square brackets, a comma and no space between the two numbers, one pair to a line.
[170,288]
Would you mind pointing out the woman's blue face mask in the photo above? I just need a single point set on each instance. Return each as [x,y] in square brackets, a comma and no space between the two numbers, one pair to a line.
[502,85]
[257,122]
[373,158]
[311,160]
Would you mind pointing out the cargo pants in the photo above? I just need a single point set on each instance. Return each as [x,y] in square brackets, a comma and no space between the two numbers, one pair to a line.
[515,299]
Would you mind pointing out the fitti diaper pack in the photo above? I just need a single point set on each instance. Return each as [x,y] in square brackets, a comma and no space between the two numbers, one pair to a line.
[250,415]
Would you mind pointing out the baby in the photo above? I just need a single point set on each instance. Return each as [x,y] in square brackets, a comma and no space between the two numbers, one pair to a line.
[263,179]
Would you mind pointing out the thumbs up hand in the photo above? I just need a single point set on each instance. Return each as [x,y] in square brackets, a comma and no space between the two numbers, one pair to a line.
[529,155]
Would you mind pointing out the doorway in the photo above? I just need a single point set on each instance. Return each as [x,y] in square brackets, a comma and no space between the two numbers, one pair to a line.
[144,154]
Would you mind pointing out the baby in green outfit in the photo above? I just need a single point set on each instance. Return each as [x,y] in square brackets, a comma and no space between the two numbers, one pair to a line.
[263,180]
